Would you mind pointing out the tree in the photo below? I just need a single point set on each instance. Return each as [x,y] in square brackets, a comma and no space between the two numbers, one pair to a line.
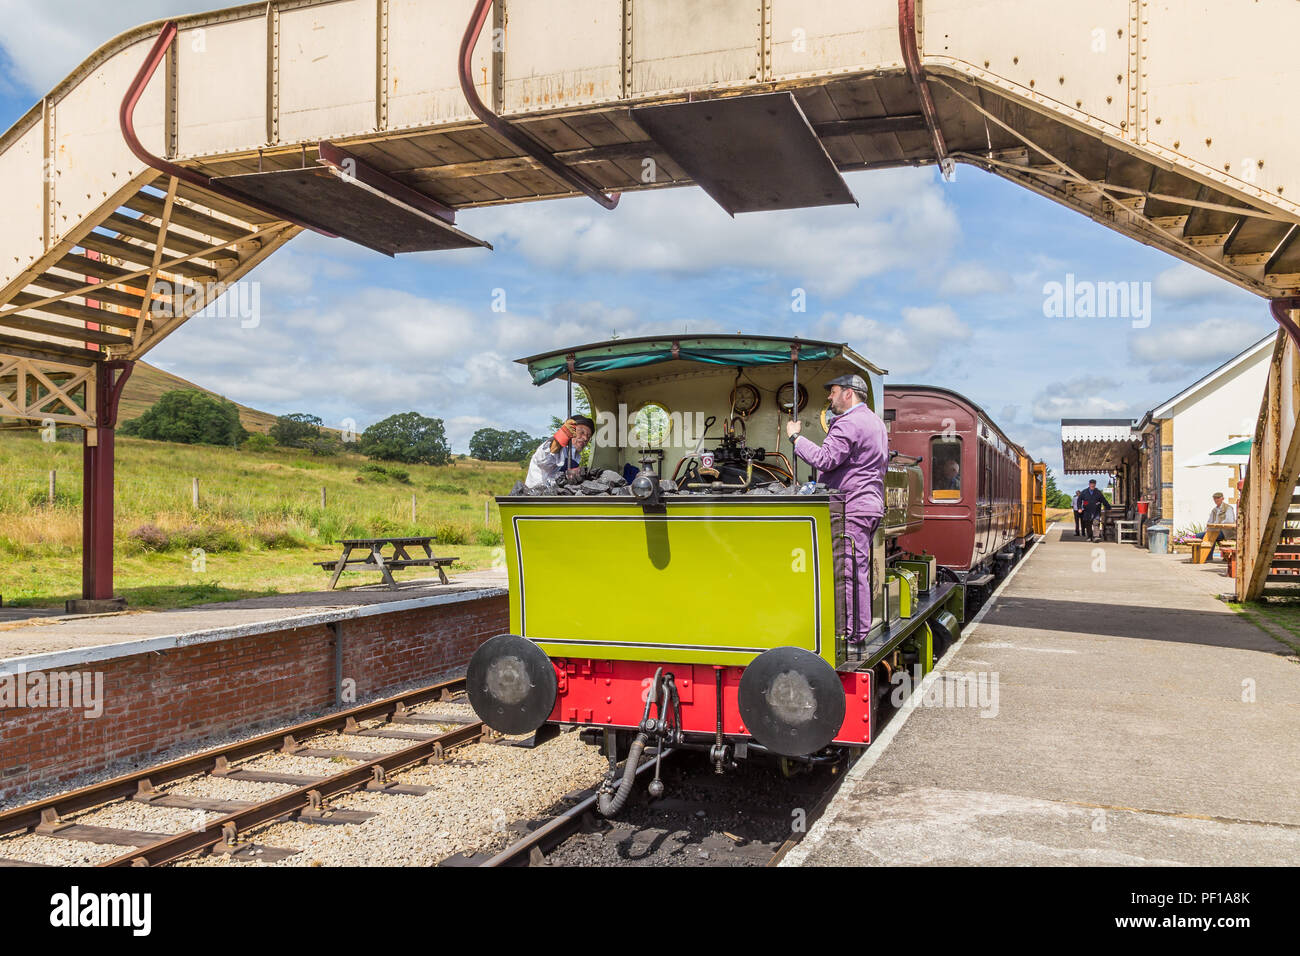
[408,437]
[296,430]
[191,417]
[491,444]
[1055,497]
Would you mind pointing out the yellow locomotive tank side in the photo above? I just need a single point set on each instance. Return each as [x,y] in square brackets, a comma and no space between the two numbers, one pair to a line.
[708,581]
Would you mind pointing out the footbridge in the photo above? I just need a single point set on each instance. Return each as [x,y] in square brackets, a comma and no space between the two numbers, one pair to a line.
[181,155]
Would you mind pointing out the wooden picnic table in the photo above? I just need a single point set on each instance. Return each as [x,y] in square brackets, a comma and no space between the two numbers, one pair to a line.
[373,556]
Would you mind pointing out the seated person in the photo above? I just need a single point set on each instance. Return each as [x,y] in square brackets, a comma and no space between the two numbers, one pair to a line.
[950,476]
[1221,513]
[560,454]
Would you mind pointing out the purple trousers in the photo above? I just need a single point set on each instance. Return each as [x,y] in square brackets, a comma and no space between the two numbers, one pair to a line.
[862,529]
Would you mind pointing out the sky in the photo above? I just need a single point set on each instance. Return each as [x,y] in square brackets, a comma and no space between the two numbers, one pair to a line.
[944,283]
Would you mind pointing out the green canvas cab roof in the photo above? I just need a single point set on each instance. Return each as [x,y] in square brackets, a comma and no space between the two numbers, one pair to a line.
[616,361]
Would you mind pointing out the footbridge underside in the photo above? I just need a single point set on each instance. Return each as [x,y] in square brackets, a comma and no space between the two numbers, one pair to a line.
[179,156]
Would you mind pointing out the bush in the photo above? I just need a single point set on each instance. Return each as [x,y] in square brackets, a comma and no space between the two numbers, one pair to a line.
[258,442]
[149,537]
[488,537]
[296,430]
[190,417]
[326,446]
[447,533]
[280,538]
[374,472]
[446,488]
[211,540]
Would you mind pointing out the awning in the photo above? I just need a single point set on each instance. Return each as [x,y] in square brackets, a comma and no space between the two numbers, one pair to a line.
[1091,446]
[1238,453]
[729,350]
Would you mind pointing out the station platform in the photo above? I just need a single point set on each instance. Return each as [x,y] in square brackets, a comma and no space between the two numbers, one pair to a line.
[1137,720]
[85,694]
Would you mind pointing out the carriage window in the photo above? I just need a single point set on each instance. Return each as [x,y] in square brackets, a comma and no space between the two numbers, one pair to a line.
[945,469]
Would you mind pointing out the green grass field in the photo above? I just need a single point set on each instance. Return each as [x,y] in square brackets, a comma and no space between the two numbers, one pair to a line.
[257,530]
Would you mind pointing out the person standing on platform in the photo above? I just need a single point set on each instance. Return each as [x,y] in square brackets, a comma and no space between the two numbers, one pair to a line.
[1078,513]
[852,459]
[1093,501]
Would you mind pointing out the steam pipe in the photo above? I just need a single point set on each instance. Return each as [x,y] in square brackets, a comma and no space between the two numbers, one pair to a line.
[1280,309]
[519,138]
[126,120]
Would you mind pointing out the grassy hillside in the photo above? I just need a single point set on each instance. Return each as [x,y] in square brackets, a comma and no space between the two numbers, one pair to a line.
[147,384]
[259,523]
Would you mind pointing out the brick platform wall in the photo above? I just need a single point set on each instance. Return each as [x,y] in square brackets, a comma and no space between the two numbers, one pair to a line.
[154,701]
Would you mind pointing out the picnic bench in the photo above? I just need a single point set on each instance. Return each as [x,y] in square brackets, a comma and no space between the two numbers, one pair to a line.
[1214,533]
[369,553]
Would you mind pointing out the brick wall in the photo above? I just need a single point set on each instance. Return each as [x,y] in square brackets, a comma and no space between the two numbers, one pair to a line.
[155,701]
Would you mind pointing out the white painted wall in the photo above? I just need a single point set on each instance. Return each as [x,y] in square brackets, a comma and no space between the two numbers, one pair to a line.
[1224,411]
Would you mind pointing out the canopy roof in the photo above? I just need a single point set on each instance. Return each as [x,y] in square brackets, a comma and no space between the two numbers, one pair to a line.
[612,361]
[1092,446]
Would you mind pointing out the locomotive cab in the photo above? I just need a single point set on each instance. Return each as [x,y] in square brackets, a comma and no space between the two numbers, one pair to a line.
[692,590]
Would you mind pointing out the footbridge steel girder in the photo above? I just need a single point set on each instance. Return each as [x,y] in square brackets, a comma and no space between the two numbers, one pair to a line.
[1136,113]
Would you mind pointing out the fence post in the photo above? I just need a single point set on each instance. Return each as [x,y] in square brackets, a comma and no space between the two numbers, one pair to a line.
[412,507]
[195,492]
[487,514]
[322,497]
[53,479]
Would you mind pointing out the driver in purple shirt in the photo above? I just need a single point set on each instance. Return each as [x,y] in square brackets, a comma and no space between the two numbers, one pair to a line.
[853,459]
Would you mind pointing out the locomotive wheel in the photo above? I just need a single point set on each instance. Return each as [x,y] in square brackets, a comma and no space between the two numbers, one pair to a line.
[511,684]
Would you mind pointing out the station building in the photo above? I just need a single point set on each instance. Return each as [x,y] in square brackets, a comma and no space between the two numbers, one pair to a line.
[1161,459]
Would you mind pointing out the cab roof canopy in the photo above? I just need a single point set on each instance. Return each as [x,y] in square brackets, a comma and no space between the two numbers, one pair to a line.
[617,361]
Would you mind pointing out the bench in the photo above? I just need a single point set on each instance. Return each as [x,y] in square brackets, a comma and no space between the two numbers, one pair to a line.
[374,558]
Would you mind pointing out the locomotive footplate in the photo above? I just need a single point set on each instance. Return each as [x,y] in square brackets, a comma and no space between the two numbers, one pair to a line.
[885,638]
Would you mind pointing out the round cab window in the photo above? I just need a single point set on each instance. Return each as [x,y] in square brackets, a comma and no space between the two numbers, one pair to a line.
[650,426]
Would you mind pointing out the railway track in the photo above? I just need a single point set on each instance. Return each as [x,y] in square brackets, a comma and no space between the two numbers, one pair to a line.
[742,818]
[308,802]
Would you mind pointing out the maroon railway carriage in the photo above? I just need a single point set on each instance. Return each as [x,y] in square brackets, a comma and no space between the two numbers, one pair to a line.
[972,489]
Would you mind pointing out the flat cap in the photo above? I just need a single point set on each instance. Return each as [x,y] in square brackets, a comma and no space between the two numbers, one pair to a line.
[855,382]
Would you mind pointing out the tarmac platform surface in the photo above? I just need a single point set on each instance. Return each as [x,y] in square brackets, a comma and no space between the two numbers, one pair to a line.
[1138,720]
[40,639]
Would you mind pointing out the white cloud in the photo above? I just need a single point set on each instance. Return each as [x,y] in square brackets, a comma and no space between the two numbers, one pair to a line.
[1084,397]
[1210,340]
[905,219]
[1186,282]
[907,348]
[970,278]
[937,323]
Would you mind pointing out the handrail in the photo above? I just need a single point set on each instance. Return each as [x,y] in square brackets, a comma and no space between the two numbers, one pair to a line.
[126,120]
[912,58]
[519,138]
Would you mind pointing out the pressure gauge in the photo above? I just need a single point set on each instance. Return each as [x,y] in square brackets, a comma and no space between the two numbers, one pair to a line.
[783,398]
[745,400]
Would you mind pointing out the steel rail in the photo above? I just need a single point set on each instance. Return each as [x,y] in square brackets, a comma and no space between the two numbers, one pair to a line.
[286,804]
[556,831]
[30,815]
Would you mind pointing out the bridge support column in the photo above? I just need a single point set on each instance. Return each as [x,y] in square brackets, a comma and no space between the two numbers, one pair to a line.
[97,495]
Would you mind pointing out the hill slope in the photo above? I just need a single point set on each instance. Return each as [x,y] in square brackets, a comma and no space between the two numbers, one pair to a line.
[148,383]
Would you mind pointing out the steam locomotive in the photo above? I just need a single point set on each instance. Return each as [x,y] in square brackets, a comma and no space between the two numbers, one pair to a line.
[703,600]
